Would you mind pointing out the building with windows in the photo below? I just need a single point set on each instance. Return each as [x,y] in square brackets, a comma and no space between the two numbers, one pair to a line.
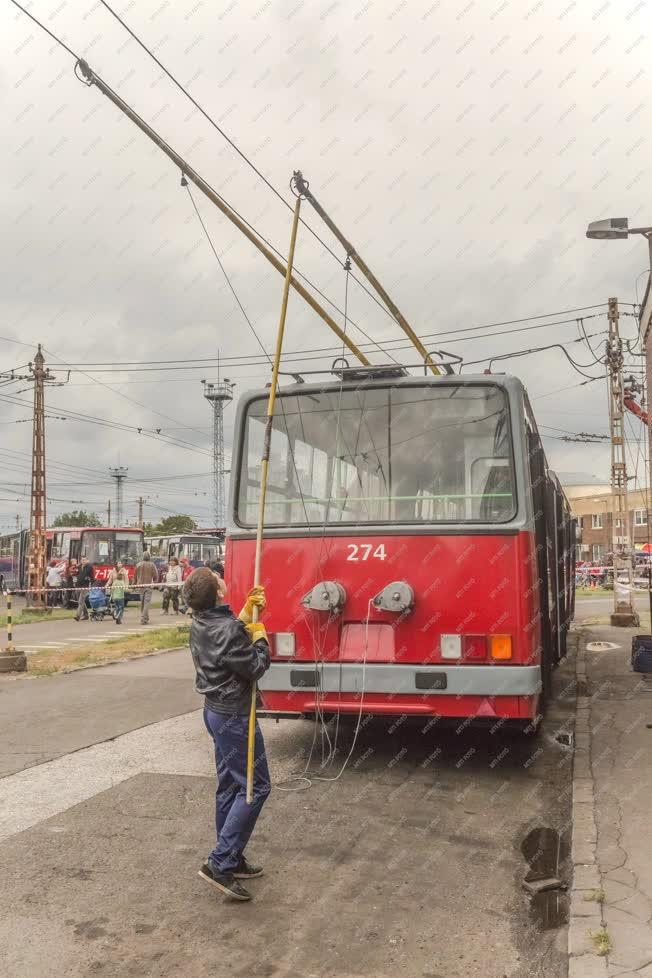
[595,527]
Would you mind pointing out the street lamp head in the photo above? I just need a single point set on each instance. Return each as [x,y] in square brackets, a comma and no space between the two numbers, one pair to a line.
[613,227]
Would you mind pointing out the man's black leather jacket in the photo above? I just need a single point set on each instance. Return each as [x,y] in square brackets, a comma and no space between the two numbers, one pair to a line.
[226,661]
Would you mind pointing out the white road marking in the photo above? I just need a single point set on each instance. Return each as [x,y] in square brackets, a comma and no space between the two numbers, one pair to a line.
[48,645]
[176,746]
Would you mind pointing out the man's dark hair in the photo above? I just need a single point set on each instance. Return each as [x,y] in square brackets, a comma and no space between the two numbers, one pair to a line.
[217,568]
[200,590]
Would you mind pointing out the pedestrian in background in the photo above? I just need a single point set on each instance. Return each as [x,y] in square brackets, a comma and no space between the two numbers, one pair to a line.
[116,585]
[85,580]
[186,571]
[172,586]
[146,575]
[53,580]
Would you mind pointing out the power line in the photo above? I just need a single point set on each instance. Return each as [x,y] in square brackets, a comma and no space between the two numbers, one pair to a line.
[328,349]
[298,356]
[47,31]
[241,154]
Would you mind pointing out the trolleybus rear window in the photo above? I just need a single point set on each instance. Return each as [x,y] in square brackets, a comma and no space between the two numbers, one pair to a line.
[378,455]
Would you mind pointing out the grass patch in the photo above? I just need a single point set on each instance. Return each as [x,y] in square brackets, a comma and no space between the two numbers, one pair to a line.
[48,663]
[29,617]
[601,941]
[595,591]
[595,896]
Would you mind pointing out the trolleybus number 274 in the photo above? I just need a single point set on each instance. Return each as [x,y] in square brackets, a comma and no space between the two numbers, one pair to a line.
[363,551]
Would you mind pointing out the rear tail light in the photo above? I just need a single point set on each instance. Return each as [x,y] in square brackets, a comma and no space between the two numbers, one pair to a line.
[501,646]
[474,648]
[451,647]
[283,644]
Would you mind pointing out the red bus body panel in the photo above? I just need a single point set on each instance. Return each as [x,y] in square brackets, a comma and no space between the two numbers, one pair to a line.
[464,584]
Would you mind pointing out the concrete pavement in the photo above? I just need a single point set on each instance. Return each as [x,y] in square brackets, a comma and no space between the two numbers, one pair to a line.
[47,718]
[612,894]
[410,863]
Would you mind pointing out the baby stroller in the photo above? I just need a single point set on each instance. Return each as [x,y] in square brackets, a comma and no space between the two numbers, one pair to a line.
[100,604]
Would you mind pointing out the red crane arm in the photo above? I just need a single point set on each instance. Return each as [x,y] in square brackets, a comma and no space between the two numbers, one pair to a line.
[632,405]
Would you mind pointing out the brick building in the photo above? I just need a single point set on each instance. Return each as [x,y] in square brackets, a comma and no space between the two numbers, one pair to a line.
[595,520]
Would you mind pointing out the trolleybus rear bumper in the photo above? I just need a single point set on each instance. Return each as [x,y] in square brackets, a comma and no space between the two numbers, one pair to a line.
[387,688]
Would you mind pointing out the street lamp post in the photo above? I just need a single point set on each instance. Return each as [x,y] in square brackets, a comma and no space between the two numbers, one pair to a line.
[618,228]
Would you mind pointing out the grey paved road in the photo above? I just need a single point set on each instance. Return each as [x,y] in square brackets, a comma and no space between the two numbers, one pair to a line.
[409,864]
[47,717]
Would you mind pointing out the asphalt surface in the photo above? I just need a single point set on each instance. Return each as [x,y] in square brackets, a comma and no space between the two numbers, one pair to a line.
[45,718]
[410,863]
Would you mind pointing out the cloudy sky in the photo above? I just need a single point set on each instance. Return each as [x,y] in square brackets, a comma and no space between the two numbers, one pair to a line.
[462,146]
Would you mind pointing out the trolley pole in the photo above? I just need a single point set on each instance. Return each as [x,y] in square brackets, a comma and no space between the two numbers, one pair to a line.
[11,659]
[624,613]
[264,469]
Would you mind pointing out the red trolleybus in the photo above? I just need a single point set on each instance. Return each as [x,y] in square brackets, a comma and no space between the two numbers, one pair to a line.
[72,546]
[418,555]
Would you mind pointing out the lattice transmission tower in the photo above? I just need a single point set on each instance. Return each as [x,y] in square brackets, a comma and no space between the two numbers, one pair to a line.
[218,395]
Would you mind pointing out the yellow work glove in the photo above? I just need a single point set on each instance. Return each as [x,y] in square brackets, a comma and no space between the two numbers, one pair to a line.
[255,599]
[257,630]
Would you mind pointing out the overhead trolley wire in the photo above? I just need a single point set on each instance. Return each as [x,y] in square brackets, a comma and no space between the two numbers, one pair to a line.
[164,143]
[241,154]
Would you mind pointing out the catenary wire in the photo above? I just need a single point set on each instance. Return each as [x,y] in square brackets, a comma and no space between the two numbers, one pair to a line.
[242,155]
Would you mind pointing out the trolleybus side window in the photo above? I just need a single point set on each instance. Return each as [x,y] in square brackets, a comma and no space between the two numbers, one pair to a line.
[402,454]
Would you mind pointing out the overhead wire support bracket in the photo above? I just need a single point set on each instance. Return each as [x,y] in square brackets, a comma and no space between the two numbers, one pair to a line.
[303,187]
[86,75]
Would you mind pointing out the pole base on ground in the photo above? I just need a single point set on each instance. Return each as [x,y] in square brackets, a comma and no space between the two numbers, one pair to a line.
[625,619]
[13,662]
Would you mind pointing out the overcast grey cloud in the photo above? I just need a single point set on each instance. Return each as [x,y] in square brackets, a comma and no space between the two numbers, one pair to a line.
[462,147]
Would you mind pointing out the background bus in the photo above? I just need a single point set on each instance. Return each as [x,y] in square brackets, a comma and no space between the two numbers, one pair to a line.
[13,560]
[71,546]
[196,547]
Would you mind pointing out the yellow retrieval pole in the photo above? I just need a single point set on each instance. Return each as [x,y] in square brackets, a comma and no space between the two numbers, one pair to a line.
[264,467]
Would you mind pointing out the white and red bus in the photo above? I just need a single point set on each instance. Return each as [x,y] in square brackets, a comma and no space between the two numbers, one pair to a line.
[102,546]
[72,546]
[418,553]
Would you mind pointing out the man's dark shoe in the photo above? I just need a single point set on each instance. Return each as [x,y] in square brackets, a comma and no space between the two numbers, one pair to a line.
[246,871]
[225,882]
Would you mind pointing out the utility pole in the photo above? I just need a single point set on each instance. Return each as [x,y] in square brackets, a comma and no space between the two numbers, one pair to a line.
[108,512]
[623,613]
[141,503]
[37,515]
[119,473]
[218,395]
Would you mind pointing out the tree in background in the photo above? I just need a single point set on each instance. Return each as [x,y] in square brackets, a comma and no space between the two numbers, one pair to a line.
[78,517]
[171,526]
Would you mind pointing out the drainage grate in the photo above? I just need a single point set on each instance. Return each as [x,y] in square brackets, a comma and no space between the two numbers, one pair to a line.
[565,739]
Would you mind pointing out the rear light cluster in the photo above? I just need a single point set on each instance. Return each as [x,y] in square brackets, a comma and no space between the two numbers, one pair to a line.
[476,648]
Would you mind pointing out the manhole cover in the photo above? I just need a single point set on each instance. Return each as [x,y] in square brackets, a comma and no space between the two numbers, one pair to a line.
[602,646]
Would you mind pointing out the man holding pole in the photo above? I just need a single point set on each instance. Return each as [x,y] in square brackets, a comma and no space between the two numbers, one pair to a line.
[229,655]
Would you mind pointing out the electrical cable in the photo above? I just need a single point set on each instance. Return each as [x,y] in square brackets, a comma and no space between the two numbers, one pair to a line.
[242,155]
[47,31]
[398,343]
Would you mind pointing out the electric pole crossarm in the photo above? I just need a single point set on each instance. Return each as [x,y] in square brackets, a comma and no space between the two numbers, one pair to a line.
[303,188]
[207,190]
